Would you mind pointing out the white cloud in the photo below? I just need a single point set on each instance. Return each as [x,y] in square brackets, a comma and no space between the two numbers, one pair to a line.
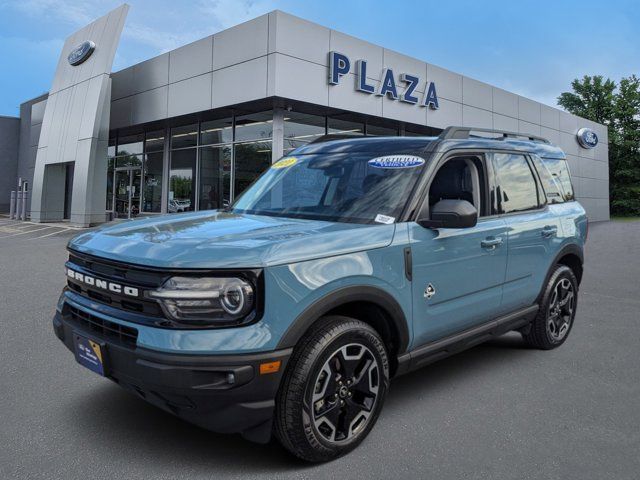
[160,40]
[227,13]
[74,12]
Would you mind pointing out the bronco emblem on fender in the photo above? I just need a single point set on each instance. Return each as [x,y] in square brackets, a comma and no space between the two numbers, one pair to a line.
[429,291]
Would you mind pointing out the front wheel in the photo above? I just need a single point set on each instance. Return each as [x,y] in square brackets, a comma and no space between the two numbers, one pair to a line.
[333,390]
[554,320]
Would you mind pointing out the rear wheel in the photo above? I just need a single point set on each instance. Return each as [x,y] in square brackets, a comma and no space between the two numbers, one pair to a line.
[333,390]
[553,323]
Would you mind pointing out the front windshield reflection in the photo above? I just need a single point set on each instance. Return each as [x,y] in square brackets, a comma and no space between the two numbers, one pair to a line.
[356,188]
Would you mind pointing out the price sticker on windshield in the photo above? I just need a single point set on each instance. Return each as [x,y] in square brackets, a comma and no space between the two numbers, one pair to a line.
[386,219]
[396,161]
[285,162]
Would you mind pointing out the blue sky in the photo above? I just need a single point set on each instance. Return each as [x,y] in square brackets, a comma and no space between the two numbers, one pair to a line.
[534,48]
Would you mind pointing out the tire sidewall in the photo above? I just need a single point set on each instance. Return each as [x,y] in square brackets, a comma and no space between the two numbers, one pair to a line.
[352,331]
[559,274]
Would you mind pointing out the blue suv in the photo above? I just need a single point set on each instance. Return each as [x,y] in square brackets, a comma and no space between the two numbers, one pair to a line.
[350,261]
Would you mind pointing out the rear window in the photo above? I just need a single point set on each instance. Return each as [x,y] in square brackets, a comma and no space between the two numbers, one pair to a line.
[517,190]
[552,188]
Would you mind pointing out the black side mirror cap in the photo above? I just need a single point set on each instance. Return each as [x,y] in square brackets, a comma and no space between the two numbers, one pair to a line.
[451,214]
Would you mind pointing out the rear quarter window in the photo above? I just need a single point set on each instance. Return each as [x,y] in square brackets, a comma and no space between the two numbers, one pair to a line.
[552,188]
[559,170]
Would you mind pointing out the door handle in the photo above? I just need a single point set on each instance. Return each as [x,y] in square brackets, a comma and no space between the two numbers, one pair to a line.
[549,231]
[490,243]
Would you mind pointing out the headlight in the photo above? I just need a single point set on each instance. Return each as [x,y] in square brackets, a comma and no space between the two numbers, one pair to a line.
[205,300]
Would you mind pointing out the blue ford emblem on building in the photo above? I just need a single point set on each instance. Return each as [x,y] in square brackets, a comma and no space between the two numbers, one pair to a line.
[81,53]
[587,138]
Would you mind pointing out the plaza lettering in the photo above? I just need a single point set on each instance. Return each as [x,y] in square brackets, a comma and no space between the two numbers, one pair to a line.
[405,90]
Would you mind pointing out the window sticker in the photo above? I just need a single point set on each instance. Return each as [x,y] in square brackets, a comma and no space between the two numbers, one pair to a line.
[396,161]
[285,162]
[387,220]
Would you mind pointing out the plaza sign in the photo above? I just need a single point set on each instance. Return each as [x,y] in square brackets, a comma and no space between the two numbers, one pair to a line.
[339,65]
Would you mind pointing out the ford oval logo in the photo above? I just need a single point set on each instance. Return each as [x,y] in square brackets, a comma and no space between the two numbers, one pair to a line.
[81,53]
[587,138]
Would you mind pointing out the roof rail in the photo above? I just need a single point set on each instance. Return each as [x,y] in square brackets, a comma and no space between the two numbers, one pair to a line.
[463,133]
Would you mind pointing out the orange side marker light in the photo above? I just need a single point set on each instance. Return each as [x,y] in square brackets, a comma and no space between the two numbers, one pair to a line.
[270,367]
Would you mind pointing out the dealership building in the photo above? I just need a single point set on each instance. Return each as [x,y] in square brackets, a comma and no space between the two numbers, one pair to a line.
[190,129]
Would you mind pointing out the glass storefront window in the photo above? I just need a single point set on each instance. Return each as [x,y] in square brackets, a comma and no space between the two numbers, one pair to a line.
[110,165]
[419,131]
[291,144]
[338,126]
[215,177]
[256,126]
[130,144]
[152,188]
[381,131]
[251,159]
[216,131]
[154,141]
[111,149]
[129,161]
[183,137]
[302,128]
[182,177]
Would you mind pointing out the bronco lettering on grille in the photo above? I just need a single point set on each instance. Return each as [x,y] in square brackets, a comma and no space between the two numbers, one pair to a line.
[103,284]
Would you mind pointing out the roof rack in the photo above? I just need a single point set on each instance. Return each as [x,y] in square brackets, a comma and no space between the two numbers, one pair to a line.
[463,133]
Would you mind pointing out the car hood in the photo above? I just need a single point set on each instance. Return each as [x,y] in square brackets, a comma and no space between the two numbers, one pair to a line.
[215,239]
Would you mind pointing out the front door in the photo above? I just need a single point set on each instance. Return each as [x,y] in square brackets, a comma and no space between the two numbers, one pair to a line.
[458,276]
[127,192]
[458,273]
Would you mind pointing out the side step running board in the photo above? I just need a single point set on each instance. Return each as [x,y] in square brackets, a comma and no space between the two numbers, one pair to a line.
[434,351]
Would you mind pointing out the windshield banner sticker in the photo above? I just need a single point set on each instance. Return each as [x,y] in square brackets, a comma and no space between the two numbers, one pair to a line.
[396,161]
[387,220]
[285,162]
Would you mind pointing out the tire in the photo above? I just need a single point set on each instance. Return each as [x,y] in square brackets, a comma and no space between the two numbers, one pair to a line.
[556,315]
[317,416]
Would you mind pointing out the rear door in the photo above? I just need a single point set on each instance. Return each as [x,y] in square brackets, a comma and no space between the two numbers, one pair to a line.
[532,228]
[458,274]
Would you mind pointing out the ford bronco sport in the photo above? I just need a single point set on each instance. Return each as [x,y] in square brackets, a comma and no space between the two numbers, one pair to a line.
[348,262]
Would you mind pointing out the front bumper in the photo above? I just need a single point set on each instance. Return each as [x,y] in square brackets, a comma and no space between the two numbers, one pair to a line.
[222,393]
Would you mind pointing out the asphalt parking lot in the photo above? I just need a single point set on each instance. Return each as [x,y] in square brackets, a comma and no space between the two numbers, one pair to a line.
[497,411]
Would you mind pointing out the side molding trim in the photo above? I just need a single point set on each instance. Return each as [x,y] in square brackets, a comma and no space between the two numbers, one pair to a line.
[439,349]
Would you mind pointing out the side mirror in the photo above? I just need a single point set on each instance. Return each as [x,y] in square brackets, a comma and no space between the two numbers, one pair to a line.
[451,214]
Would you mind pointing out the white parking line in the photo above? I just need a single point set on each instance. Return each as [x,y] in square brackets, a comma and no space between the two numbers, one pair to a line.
[53,233]
[24,233]
[22,226]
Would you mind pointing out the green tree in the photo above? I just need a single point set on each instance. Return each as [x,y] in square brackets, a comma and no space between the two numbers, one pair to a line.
[617,107]
[592,98]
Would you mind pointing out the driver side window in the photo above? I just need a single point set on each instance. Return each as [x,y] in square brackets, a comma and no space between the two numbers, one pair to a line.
[460,178]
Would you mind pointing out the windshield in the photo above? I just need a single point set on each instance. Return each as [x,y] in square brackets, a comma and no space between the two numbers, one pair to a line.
[357,188]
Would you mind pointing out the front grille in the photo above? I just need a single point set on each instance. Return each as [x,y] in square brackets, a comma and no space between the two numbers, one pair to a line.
[122,274]
[147,307]
[103,328]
